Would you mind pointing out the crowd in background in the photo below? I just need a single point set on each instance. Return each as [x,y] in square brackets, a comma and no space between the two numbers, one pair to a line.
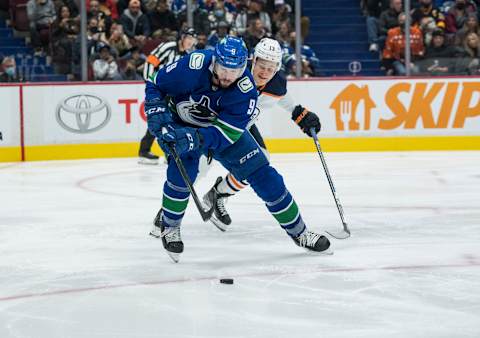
[121,33]
[444,35]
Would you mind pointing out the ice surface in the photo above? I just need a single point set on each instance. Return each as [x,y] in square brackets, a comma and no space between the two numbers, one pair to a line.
[76,260]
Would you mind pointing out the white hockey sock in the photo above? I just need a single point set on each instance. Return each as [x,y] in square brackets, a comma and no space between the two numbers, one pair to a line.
[230,185]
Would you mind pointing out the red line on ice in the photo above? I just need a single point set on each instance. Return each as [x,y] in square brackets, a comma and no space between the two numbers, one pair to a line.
[260,274]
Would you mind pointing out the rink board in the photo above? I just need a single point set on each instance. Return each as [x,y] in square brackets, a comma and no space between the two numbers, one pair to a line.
[10,146]
[96,120]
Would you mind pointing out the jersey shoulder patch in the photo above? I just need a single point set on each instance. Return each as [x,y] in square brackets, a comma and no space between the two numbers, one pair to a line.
[244,84]
[196,61]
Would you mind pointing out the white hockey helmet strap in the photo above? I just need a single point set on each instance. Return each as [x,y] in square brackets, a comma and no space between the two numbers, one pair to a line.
[270,50]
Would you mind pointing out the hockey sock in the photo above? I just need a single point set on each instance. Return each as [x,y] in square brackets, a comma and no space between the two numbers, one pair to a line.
[286,212]
[230,185]
[269,186]
[174,203]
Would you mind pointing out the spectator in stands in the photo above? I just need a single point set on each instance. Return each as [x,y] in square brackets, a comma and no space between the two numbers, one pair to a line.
[373,9]
[8,70]
[109,7]
[427,9]
[66,25]
[71,4]
[256,32]
[201,24]
[282,13]
[311,64]
[130,72]
[457,16]
[219,33]
[283,35]
[427,26]
[394,52]
[104,20]
[135,24]
[178,6]
[469,63]
[65,31]
[138,59]
[117,40]
[389,18]
[162,17]
[202,41]
[93,36]
[41,14]
[220,13]
[470,26]
[439,57]
[291,68]
[105,68]
[254,11]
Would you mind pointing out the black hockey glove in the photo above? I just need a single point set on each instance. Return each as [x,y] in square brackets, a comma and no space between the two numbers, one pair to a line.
[306,120]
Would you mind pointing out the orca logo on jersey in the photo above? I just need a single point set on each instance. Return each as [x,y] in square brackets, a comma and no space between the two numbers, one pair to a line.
[196,61]
[197,113]
[83,113]
[245,84]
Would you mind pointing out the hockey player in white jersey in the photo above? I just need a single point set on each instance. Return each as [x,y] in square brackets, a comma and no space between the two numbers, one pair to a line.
[272,89]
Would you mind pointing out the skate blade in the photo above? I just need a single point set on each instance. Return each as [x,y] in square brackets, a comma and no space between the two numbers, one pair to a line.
[220,226]
[327,252]
[147,161]
[155,234]
[174,256]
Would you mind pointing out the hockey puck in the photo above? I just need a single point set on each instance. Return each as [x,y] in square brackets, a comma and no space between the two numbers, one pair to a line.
[226,280]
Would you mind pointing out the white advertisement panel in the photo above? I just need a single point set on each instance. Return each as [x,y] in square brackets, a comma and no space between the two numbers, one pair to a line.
[399,107]
[113,112]
[95,113]
[9,116]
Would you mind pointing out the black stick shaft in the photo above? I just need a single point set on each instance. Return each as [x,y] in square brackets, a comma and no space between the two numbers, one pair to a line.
[330,182]
[205,214]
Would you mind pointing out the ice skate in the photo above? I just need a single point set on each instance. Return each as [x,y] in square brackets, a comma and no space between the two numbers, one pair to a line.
[313,242]
[147,158]
[220,218]
[171,239]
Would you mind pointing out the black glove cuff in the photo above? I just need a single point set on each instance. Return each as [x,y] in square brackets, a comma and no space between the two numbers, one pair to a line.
[297,114]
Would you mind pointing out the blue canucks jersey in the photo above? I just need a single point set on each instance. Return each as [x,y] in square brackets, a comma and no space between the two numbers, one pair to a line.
[224,113]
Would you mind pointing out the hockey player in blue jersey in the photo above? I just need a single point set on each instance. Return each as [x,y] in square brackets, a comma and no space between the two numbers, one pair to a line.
[272,88]
[203,104]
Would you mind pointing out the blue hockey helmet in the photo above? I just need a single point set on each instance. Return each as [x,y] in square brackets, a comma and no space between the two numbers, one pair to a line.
[231,52]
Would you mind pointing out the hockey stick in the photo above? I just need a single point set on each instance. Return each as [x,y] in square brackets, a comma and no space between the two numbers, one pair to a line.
[346,232]
[206,214]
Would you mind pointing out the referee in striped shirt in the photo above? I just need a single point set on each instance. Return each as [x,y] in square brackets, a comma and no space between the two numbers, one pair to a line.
[163,55]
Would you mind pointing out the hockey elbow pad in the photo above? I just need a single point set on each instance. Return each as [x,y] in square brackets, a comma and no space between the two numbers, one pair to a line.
[306,120]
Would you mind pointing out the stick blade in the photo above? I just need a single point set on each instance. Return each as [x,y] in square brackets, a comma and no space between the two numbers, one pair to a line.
[206,213]
[344,234]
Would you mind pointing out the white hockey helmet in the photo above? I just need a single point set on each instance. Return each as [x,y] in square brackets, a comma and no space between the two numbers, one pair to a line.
[270,50]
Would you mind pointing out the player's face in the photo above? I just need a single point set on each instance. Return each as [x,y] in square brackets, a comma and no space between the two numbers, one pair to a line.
[188,43]
[227,76]
[263,71]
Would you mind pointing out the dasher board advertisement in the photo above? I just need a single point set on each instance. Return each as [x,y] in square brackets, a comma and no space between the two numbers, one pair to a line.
[394,107]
